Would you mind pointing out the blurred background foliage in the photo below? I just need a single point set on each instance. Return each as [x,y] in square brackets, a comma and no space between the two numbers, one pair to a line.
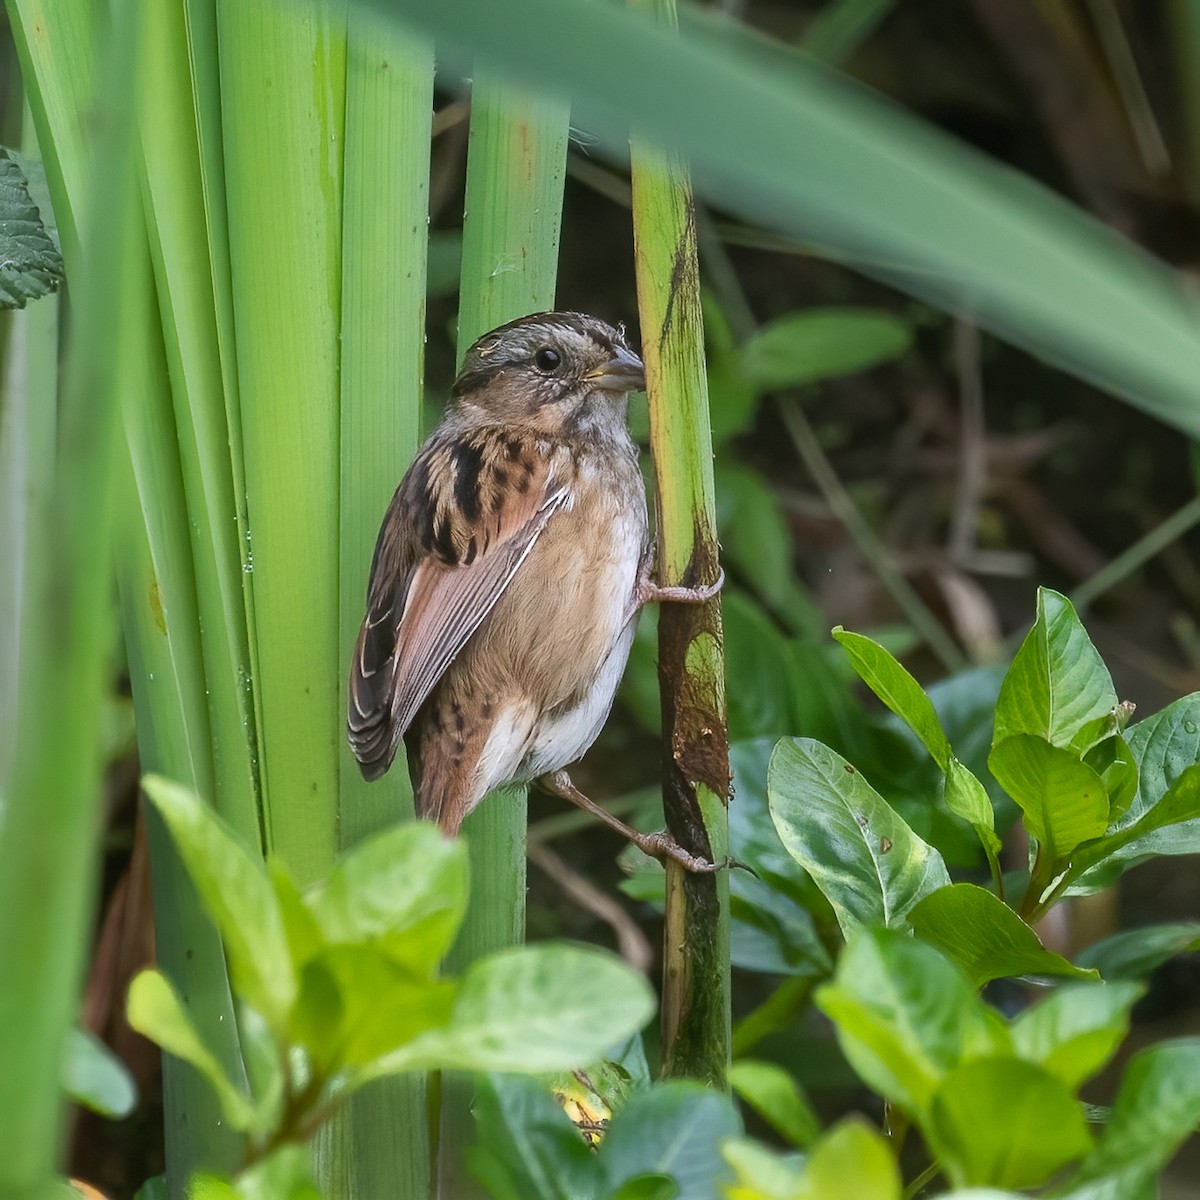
[880,464]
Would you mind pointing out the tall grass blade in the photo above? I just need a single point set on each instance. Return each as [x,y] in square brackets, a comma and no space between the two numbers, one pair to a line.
[516,166]
[782,141]
[282,72]
[380,1145]
[50,825]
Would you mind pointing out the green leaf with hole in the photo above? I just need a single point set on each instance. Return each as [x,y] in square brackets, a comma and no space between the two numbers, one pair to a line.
[822,343]
[985,937]
[156,1012]
[1063,801]
[547,1007]
[775,1095]
[1057,683]
[237,895]
[1005,1123]
[905,1016]
[869,864]
[1074,1031]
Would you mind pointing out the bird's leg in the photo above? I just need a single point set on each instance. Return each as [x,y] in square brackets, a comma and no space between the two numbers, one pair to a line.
[647,591]
[656,845]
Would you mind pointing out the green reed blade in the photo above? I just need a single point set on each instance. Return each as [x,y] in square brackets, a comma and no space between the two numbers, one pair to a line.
[282,72]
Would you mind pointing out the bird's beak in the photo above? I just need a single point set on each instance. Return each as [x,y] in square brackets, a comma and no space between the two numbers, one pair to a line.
[623,372]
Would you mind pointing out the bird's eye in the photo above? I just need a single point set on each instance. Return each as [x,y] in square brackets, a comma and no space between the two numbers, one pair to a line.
[547,359]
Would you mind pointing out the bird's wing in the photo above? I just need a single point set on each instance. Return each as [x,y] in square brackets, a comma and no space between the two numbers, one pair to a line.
[459,527]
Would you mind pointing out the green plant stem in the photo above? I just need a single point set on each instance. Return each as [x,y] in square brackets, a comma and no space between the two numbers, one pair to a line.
[927,1176]
[843,507]
[696,982]
[842,26]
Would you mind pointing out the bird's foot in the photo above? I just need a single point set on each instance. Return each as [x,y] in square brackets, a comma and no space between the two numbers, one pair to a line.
[648,591]
[662,846]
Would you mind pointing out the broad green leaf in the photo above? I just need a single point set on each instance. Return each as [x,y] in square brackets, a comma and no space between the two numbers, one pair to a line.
[527,1148]
[1063,799]
[1005,1123]
[868,862]
[759,1173]
[357,1004]
[238,896]
[822,343]
[299,924]
[984,936]
[673,1129]
[1177,812]
[156,1012]
[757,544]
[776,1096]
[762,687]
[889,680]
[95,1077]
[31,265]
[1074,1031]
[1157,1107]
[905,1016]
[1057,682]
[403,890]
[531,1009]
[1134,953]
[852,1162]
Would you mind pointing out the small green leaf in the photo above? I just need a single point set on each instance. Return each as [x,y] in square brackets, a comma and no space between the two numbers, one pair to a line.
[984,936]
[1074,1031]
[237,895]
[357,1004]
[822,343]
[531,1009]
[647,1187]
[776,1096]
[95,1077]
[155,1188]
[898,690]
[155,1011]
[870,865]
[905,1016]
[1005,1123]
[673,1129]
[1113,761]
[1063,800]
[966,797]
[31,265]
[285,1174]
[1057,682]
[852,1162]
[1134,953]
[763,684]
[1152,832]
[404,889]
[1157,1107]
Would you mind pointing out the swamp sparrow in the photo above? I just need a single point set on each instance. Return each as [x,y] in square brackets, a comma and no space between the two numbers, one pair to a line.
[508,576]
